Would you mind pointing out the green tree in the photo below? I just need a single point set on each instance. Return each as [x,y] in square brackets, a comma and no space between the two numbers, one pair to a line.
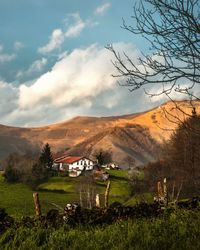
[11,174]
[39,174]
[46,158]
[103,157]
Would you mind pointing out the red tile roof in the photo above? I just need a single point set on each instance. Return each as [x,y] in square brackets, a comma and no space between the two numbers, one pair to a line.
[68,159]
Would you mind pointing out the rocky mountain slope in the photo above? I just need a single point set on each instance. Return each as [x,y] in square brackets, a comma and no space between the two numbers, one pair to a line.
[134,136]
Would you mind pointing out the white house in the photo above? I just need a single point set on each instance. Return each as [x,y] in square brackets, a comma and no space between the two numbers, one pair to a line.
[75,165]
[110,166]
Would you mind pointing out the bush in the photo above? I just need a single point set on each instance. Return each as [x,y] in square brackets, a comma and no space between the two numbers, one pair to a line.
[11,174]
[39,174]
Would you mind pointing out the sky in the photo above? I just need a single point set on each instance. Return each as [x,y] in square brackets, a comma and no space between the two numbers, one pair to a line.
[54,64]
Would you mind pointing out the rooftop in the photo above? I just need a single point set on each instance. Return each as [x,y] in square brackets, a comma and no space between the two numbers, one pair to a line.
[68,159]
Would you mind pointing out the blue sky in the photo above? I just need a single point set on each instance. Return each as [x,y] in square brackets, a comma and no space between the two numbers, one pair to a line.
[32,22]
[53,61]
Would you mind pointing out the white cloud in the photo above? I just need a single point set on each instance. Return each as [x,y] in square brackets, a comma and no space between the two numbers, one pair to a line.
[55,41]
[7,57]
[4,57]
[75,85]
[81,74]
[58,36]
[72,30]
[101,10]
[80,83]
[38,65]
[8,99]
[35,67]
[18,45]
[77,27]
[62,55]
[157,93]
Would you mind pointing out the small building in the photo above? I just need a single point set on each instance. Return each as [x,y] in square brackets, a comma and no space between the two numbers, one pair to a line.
[100,175]
[74,165]
[111,166]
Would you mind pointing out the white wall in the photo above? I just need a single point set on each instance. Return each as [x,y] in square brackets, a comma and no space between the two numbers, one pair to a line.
[79,164]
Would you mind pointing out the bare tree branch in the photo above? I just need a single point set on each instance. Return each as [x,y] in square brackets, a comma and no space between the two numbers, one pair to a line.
[172,27]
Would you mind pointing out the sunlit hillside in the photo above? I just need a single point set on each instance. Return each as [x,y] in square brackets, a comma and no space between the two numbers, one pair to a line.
[136,135]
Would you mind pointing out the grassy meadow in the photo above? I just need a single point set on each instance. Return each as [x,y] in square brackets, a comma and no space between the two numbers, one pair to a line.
[119,189]
[17,198]
[175,229]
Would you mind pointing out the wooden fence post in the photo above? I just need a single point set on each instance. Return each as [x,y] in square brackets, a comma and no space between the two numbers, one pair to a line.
[159,188]
[37,204]
[107,194]
[165,191]
[97,200]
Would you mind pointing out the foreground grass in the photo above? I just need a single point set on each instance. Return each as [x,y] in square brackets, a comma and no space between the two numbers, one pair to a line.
[179,230]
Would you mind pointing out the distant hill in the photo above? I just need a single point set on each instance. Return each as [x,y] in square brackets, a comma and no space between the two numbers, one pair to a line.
[136,136]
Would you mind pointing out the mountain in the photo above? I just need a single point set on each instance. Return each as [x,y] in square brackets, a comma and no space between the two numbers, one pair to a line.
[124,143]
[134,136]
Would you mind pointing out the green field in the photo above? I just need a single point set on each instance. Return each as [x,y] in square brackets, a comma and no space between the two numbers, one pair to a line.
[17,198]
[177,230]
[119,189]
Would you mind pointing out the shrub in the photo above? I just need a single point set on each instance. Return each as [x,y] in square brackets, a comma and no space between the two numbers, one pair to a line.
[11,174]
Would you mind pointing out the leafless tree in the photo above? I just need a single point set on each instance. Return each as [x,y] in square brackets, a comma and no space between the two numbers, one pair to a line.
[181,161]
[87,190]
[184,152]
[172,27]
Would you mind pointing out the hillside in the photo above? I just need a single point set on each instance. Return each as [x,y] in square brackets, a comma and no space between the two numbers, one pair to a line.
[134,142]
[136,135]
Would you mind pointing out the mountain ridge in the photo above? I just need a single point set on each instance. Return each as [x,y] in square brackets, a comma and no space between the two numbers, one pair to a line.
[129,135]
